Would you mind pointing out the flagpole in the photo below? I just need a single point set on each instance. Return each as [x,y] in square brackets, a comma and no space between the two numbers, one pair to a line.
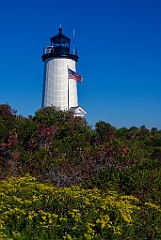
[73,40]
[68,90]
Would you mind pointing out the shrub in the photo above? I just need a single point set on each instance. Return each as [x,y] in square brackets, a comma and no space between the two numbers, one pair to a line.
[31,210]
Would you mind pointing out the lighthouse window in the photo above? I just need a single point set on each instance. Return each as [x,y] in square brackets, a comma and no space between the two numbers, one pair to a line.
[61,45]
[48,49]
[61,41]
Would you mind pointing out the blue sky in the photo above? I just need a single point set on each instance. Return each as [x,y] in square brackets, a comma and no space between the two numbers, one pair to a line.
[119,48]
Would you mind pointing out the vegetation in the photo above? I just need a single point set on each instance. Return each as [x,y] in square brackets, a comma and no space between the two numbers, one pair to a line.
[60,179]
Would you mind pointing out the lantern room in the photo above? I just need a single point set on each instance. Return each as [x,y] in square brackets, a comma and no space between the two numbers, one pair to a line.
[60,47]
[60,42]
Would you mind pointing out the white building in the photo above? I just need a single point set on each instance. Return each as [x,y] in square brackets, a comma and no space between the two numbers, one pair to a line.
[58,89]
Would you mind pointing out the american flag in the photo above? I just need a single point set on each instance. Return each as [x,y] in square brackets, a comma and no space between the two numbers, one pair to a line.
[74,75]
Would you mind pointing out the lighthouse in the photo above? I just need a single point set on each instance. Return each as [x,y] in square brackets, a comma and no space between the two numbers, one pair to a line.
[60,77]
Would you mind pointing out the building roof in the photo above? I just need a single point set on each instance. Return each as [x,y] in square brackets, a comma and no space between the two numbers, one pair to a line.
[78,110]
[60,38]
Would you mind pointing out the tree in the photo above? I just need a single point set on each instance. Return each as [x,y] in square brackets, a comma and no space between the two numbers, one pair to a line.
[105,132]
[50,115]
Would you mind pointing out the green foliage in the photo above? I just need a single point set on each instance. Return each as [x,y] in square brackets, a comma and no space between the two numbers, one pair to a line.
[50,116]
[141,180]
[105,131]
[6,112]
[7,121]
[58,148]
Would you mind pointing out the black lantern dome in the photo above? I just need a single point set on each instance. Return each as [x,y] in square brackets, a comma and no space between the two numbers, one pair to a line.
[60,48]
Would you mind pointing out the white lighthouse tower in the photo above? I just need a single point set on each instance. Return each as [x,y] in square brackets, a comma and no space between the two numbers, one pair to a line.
[58,89]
